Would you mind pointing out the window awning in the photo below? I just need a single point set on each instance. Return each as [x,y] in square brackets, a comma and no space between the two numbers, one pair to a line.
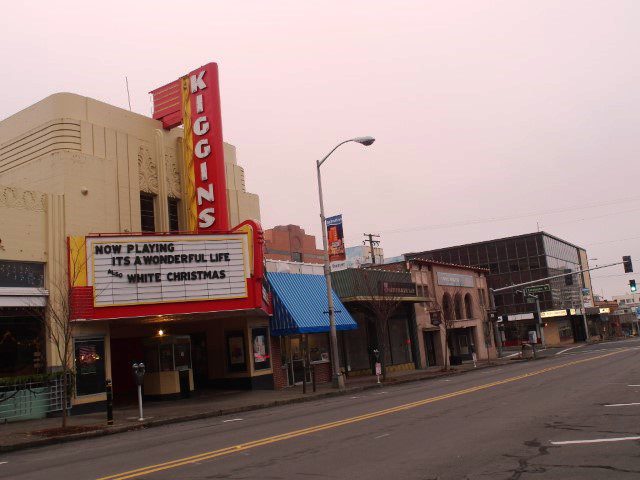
[300,305]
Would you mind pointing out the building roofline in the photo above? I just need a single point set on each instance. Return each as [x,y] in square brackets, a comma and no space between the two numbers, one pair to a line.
[542,232]
[446,264]
[434,262]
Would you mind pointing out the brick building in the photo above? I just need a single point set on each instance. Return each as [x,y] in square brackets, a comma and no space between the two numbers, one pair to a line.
[290,242]
[455,296]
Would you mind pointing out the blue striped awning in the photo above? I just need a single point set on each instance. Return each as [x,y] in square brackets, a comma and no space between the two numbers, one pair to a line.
[300,305]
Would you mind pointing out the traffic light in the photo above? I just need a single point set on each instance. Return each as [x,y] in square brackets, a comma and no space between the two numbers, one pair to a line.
[628,266]
[568,277]
[632,286]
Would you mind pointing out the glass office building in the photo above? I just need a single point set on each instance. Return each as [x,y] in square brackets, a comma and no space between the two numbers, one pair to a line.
[519,259]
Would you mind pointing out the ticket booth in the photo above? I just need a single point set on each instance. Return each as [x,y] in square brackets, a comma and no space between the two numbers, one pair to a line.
[168,364]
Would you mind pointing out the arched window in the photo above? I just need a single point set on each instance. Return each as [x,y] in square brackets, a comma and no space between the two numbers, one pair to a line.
[458,306]
[447,307]
[468,305]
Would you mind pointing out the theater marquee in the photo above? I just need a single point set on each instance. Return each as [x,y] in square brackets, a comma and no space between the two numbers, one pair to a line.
[156,269]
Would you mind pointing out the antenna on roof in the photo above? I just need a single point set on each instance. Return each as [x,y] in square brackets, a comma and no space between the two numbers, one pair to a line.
[126,81]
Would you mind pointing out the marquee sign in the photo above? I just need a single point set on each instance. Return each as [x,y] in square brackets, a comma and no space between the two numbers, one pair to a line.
[116,276]
[194,101]
[157,269]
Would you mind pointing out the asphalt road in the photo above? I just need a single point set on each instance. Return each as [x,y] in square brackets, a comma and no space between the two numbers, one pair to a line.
[507,422]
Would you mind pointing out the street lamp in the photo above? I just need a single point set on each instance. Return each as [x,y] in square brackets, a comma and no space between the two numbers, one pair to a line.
[338,381]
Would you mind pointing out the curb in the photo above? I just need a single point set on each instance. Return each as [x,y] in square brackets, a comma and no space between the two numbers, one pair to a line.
[42,442]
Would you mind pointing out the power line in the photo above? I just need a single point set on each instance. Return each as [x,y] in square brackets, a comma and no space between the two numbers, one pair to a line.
[612,241]
[516,217]
[613,275]
[595,216]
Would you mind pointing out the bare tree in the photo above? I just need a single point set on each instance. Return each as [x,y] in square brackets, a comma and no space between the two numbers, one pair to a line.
[381,299]
[56,319]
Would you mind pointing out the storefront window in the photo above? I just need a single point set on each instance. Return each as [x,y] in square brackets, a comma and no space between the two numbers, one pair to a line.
[236,358]
[90,366]
[564,330]
[166,358]
[319,347]
[21,345]
[260,345]
[183,356]
[399,341]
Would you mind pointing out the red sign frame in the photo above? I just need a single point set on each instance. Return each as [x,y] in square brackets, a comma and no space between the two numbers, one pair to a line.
[82,307]
[194,101]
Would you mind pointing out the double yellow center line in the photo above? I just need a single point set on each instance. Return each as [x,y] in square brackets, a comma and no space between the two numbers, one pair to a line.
[139,472]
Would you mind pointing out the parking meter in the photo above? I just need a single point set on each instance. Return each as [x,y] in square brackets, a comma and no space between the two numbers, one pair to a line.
[533,339]
[108,386]
[138,373]
[376,353]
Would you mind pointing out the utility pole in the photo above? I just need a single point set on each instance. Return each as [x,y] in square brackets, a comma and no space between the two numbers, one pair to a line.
[540,324]
[587,337]
[533,298]
[372,243]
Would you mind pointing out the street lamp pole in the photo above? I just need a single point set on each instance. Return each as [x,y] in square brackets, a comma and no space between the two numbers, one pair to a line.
[338,380]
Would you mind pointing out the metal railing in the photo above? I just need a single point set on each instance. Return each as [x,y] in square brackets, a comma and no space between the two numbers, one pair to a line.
[32,400]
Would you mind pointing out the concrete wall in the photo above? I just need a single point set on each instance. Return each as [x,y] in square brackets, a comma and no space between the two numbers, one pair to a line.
[100,158]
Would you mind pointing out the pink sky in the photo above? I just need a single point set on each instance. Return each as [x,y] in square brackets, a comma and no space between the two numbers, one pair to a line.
[482,110]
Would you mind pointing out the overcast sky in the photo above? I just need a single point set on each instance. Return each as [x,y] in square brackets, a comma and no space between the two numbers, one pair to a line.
[490,117]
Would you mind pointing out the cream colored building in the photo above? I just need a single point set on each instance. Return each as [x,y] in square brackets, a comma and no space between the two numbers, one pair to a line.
[71,166]
[454,318]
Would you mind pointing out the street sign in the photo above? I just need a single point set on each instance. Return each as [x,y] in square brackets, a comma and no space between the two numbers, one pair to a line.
[537,289]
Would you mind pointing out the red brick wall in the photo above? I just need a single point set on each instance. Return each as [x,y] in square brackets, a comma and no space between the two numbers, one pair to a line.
[323,372]
[81,302]
[279,375]
[282,240]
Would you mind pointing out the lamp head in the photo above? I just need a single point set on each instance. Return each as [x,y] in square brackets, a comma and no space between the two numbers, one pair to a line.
[366,141]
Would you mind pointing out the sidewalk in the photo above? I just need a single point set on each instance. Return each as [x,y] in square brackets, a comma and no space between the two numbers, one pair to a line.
[204,404]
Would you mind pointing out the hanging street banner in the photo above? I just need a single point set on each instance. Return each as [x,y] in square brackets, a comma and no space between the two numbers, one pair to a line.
[194,102]
[335,235]
[534,289]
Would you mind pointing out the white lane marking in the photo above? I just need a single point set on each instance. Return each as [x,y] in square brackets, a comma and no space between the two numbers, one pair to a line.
[595,440]
[512,355]
[622,404]
[379,393]
[2,463]
[633,385]
[232,420]
[381,436]
[355,397]
[567,349]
